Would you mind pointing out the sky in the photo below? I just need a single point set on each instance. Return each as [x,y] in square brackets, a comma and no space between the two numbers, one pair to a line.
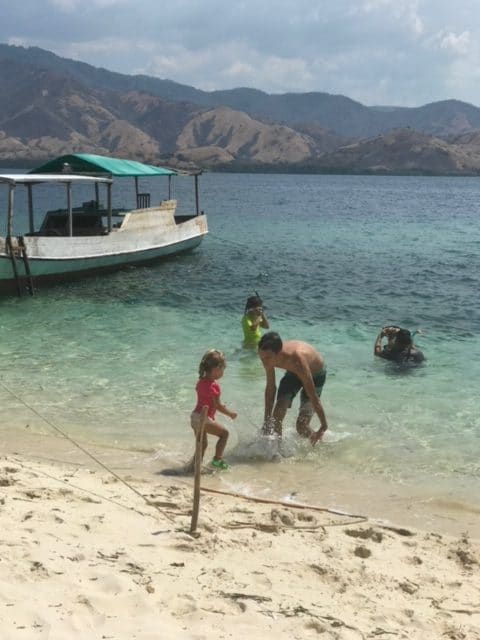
[379,52]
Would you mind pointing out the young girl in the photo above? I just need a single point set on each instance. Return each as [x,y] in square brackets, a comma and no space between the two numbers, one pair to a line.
[210,370]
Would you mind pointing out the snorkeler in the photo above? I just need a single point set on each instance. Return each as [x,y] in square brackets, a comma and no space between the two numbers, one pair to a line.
[399,347]
[253,319]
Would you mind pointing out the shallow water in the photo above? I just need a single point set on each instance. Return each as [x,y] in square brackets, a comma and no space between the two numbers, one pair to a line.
[114,360]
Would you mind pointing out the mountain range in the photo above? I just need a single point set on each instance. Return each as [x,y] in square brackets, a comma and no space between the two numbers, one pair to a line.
[51,105]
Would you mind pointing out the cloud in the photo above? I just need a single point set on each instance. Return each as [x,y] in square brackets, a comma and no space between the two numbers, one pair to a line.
[403,12]
[71,6]
[456,43]
[402,52]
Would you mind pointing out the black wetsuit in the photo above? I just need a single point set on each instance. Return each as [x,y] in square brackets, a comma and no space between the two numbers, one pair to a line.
[406,356]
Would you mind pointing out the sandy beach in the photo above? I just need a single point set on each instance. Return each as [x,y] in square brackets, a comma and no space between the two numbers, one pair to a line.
[85,554]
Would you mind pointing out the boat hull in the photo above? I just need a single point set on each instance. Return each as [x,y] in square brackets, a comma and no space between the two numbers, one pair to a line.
[52,260]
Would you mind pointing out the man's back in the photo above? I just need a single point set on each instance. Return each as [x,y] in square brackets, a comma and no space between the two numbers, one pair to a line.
[296,354]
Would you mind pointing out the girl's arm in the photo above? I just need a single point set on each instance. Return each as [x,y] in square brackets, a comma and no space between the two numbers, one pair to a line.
[223,409]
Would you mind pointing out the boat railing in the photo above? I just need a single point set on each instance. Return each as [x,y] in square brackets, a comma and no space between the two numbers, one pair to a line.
[143,200]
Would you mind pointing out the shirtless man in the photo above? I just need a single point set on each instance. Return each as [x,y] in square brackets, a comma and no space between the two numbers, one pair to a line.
[305,371]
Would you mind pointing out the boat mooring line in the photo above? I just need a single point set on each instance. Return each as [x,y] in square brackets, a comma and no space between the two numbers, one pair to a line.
[85,451]
[75,486]
[227,240]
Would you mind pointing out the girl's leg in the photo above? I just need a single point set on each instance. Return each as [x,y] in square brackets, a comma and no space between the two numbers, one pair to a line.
[204,443]
[195,423]
[216,429]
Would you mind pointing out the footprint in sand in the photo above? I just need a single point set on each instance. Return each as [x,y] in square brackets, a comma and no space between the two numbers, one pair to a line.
[7,482]
[365,534]
[182,605]
[39,570]
[362,552]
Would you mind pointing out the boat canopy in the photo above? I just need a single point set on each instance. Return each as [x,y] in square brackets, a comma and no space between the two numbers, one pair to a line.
[62,178]
[91,164]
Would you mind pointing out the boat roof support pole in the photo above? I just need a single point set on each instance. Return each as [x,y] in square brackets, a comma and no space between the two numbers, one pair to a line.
[69,207]
[30,208]
[109,207]
[11,192]
[169,187]
[197,207]
[97,197]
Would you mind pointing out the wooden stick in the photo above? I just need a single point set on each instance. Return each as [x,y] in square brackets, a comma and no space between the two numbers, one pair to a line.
[198,469]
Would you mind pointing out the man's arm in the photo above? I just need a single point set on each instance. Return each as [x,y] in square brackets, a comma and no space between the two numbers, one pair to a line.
[305,376]
[377,348]
[270,390]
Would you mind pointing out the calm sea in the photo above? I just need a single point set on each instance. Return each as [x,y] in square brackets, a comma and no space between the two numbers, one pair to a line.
[114,360]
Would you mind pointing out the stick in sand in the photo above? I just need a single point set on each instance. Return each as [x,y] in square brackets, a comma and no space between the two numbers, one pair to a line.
[198,468]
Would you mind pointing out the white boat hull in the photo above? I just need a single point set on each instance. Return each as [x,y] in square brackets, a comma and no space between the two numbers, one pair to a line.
[56,259]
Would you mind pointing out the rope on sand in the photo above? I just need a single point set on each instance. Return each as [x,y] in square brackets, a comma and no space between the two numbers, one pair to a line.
[86,452]
[69,484]
[284,503]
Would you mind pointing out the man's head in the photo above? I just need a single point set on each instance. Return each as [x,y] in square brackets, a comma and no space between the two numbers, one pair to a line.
[403,340]
[270,341]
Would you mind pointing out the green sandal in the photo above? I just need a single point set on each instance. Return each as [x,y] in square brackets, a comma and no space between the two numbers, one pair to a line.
[220,464]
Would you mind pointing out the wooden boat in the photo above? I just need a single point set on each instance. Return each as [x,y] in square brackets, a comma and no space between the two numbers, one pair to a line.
[91,238]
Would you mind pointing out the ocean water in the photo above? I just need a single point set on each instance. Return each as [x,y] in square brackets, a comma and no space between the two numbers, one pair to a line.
[113,360]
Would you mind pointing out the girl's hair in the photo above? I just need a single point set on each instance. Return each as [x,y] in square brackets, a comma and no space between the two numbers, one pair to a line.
[212,358]
[253,302]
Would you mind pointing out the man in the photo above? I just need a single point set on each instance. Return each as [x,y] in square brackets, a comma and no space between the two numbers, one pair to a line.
[399,347]
[305,371]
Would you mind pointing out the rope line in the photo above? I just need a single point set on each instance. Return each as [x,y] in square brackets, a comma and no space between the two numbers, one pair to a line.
[284,503]
[75,486]
[85,451]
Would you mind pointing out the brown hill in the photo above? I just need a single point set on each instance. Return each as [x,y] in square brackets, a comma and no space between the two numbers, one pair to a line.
[403,151]
[336,113]
[244,138]
[48,114]
[44,113]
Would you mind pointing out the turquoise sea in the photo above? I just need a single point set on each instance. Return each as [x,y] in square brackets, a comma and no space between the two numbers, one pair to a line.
[113,360]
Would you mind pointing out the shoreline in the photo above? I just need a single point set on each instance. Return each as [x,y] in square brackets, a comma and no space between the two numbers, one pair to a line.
[83,554]
[438,507]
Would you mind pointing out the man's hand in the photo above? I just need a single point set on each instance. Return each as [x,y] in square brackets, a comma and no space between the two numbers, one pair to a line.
[268,427]
[317,435]
[389,332]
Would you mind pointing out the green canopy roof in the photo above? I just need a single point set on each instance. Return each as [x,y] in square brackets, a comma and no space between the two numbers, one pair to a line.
[88,163]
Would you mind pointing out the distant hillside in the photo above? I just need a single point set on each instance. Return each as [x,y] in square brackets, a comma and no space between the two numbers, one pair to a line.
[403,151]
[339,114]
[44,113]
[50,106]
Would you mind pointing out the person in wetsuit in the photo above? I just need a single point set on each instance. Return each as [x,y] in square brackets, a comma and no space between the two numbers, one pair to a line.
[399,347]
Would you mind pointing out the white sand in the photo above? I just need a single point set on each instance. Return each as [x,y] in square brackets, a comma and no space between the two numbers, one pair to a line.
[84,556]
